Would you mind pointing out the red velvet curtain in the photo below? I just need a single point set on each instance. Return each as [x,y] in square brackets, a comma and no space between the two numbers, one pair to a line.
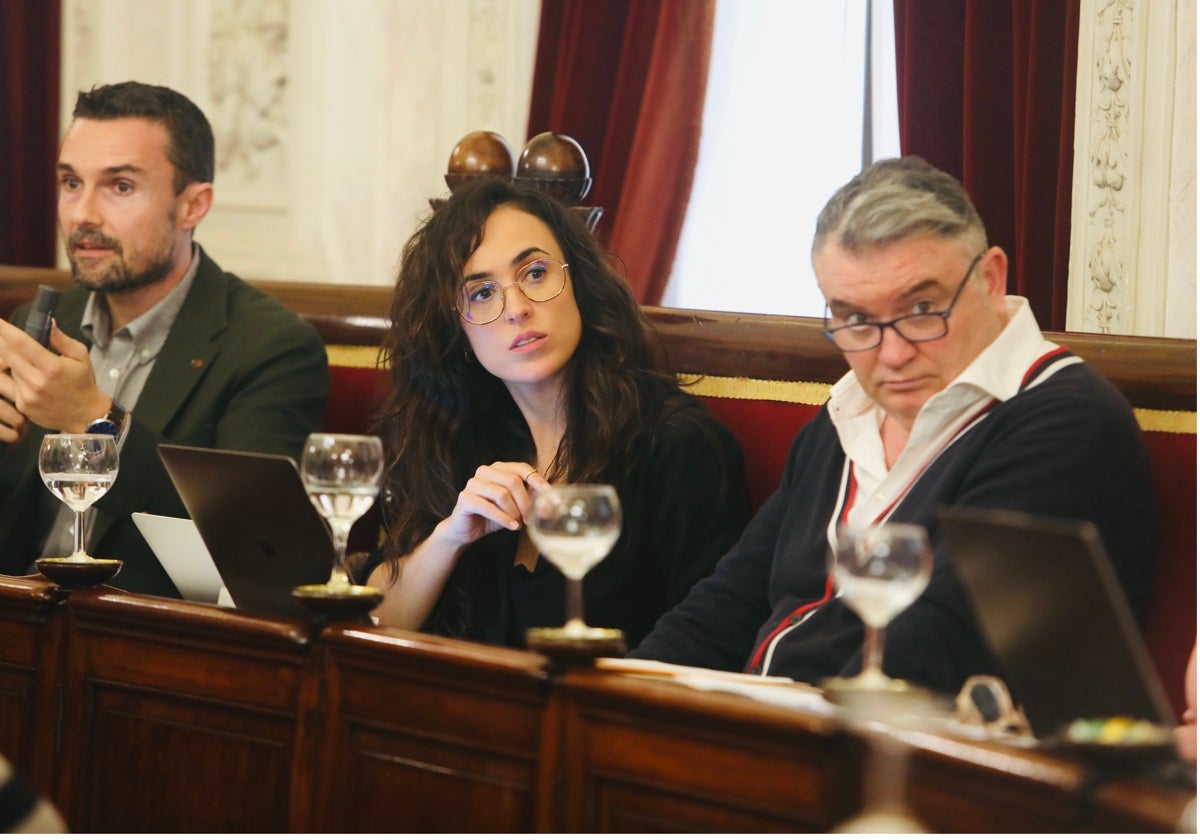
[626,79]
[29,79]
[987,93]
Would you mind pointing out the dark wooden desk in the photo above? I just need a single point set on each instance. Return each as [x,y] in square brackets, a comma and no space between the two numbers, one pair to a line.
[431,735]
[146,714]
[180,716]
[647,755]
[644,754]
[31,633]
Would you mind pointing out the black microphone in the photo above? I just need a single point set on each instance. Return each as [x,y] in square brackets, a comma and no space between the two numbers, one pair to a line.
[37,322]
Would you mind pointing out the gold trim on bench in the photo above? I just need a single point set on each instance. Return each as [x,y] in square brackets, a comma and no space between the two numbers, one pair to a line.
[816,393]
[739,388]
[772,390]
[352,355]
[1171,422]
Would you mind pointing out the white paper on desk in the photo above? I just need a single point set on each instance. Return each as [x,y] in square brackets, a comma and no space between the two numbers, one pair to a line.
[795,696]
[655,668]
[779,691]
[181,551]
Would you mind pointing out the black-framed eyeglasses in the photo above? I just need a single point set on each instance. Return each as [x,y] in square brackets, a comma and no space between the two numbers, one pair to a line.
[922,326]
[482,301]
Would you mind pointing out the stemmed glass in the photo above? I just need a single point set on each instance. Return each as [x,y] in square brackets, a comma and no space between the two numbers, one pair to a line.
[78,469]
[575,526]
[879,571]
[341,474]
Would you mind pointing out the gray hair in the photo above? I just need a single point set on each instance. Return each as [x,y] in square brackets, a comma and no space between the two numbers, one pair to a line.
[897,199]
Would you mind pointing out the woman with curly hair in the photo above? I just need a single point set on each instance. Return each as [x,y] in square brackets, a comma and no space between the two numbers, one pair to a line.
[520,358]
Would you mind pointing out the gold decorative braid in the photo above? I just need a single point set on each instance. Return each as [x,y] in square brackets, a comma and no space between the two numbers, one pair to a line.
[352,355]
[1171,422]
[771,390]
[741,388]
[816,393]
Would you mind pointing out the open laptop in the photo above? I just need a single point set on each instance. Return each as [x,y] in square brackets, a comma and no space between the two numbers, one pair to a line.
[181,551]
[254,516]
[1052,611]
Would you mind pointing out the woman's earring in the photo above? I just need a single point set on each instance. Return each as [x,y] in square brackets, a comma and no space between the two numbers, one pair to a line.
[468,356]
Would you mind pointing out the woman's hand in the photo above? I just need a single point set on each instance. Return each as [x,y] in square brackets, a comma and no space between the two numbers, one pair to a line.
[497,496]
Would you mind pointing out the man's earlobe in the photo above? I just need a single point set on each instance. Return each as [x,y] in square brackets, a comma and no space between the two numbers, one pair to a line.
[995,268]
[196,202]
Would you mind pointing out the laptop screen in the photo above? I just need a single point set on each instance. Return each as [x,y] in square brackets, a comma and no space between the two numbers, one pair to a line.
[1050,608]
[254,516]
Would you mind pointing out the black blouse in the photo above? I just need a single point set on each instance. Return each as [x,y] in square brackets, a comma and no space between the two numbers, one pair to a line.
[684,503]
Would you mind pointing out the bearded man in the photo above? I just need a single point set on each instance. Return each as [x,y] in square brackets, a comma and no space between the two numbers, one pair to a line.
[154,344]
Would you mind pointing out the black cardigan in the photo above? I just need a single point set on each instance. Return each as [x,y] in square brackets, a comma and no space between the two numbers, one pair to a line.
[1069,447]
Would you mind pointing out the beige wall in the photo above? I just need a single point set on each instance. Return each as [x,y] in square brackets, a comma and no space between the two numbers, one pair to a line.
[335,120]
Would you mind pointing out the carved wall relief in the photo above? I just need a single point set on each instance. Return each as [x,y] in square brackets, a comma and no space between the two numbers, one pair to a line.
[1132,173]
[247,86]
[1107,218]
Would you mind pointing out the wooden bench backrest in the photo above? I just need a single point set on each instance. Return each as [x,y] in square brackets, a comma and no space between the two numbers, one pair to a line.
[765,376]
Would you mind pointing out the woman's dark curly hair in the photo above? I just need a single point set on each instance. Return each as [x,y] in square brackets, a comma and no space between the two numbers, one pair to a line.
[447,415]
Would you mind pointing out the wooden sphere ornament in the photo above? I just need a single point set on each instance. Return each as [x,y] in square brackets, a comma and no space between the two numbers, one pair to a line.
[480,154]
[556,164]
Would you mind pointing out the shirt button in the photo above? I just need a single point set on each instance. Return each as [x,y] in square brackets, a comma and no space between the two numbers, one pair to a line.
[114,372]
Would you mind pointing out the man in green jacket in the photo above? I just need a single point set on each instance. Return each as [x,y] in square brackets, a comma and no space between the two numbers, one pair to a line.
[154,343]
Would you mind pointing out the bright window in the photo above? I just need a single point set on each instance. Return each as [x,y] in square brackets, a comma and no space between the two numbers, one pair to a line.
[783,128]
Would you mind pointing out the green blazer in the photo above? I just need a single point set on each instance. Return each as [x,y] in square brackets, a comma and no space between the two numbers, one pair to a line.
[238,371]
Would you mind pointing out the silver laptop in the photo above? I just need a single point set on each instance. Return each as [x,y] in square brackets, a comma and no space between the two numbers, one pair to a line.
[254,516]
[1052,611]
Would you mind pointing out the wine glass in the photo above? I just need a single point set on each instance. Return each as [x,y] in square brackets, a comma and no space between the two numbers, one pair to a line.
[341,474]
[78,469]
[574,526]
[879,571]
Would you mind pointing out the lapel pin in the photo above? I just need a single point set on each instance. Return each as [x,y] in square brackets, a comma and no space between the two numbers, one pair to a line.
[197,363]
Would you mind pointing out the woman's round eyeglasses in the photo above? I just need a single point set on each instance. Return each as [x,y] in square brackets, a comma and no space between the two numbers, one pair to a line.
[482,301]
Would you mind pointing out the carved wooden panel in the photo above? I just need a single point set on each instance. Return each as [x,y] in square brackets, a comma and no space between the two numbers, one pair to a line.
[31,629]
[461,729]
[175,763]
[184,717]
[649,756]
[1035,796]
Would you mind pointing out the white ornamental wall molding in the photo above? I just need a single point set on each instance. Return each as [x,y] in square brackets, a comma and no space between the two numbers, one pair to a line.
[248,87]
[489,46]
[79,44]
[1108,287]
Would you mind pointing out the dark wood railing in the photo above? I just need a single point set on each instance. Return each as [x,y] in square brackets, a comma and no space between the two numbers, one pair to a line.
[142,714]
[1153,373]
